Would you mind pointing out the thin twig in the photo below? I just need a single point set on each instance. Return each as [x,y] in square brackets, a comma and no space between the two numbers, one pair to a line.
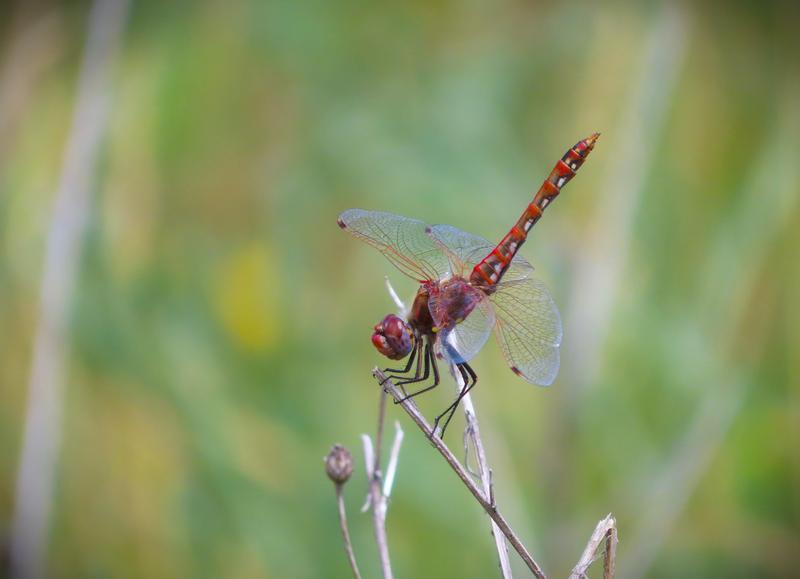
[379,434]
[369,464]
[348,545]
[610,562]
[606,530]
[377,498]
[339,467]
[491,490]
[502,524]
[394,457]
[42,434]
[402,309]
[473,433]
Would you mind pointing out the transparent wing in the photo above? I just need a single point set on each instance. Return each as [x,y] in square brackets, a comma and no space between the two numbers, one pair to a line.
[463,341]
[469,249]
[403,241]
[463,249]
[528,329]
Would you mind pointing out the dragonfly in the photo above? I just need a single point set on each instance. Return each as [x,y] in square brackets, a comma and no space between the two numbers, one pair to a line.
[467,288]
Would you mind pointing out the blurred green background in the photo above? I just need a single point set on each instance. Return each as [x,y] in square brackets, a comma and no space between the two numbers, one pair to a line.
[218,339]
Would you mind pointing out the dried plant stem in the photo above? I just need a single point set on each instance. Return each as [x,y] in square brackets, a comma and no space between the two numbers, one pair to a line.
[606,530]
[473,435]
[610,563]
[379,433]
[348,545]
[379,524]
[491,510]
[377,497]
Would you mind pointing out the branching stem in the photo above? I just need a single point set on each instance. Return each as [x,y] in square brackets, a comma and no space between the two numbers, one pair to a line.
[411,409]
[473,434]
[606,530]
[377,498]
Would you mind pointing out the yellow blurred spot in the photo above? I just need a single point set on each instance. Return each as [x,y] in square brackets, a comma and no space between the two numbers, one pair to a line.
[246,297]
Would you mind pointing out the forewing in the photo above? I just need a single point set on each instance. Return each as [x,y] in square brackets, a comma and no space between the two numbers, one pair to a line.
[464,249]
[463,341]
[528,329]
[469,249]
[403,241]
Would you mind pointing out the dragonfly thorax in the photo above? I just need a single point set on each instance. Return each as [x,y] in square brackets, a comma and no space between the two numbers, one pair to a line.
[440,305]
[420,315]
[452,301]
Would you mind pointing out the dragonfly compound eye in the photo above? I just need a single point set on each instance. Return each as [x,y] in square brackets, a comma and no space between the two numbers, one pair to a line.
[393,337]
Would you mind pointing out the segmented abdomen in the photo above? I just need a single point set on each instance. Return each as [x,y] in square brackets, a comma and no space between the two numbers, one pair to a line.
[491,269]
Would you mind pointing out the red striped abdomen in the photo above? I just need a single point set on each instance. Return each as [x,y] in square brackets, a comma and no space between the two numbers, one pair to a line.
[491,269]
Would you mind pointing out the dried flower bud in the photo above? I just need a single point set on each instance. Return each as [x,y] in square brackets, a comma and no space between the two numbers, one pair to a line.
[339,464]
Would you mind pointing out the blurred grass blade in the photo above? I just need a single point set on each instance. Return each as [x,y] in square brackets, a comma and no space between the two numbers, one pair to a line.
[768,205]
[41,439]
[602,260]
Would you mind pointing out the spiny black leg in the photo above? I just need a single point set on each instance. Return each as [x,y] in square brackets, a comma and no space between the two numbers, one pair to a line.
[426,356]
[450,410]
[435,367]
[422,357]
[465,378]
[416,353]
[417,378]
[423,354]
[408,365]
[432,357]
[420,361]
[470,379]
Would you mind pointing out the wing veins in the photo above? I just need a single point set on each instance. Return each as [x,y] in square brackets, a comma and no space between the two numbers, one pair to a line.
[417,269]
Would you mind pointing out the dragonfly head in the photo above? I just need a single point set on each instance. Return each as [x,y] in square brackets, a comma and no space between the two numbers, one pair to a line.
[393,337]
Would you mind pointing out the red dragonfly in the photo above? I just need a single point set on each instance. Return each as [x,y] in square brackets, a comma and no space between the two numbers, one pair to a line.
[467,287]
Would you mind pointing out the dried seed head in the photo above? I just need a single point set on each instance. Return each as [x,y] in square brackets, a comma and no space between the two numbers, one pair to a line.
[339,464]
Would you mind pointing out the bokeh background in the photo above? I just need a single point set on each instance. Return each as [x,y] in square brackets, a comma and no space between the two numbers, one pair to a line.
[217,338]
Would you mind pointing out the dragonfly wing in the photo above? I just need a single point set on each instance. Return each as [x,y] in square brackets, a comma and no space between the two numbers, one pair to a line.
[469,249]
[464,249]
[528,328]
[464,340]
[403,241]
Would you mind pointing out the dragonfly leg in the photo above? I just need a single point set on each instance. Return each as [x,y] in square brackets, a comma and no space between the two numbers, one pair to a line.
[403,370]
[425,357]
[430,361]
[417,372]
[470,379]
